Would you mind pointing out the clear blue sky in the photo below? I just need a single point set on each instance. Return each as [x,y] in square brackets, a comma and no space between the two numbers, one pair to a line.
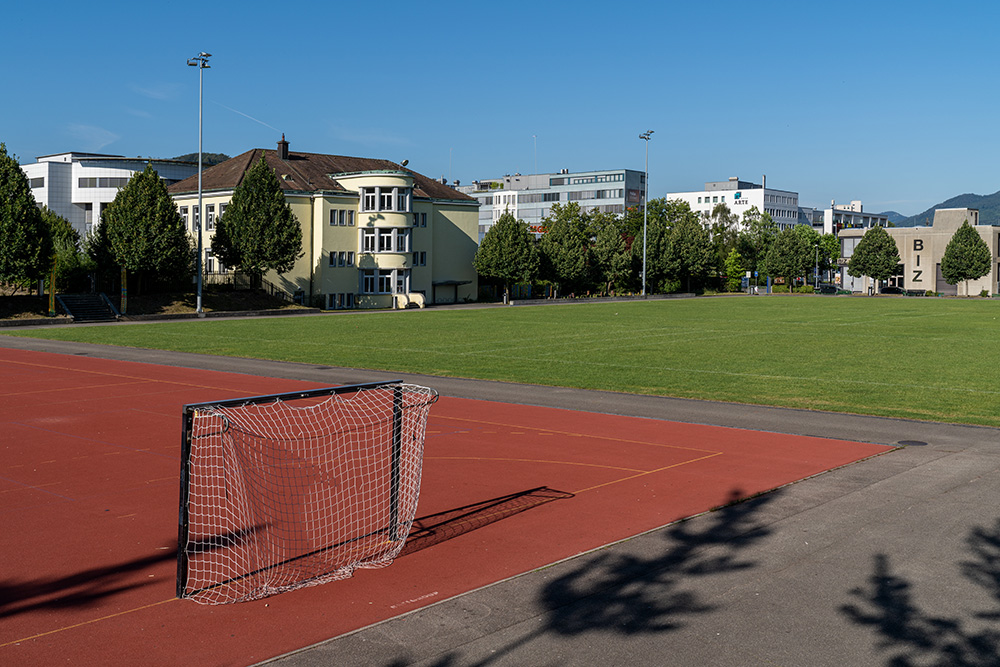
[892,103]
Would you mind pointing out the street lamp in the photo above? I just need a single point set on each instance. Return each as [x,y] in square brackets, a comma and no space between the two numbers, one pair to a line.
[201,62]
[645,208]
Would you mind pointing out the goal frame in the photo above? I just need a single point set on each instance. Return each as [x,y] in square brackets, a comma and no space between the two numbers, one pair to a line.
[189,411]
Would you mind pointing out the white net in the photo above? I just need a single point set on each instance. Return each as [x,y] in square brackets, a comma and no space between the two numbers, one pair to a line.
[296,492]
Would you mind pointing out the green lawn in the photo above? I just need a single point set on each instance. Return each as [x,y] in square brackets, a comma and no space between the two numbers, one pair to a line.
[936,359]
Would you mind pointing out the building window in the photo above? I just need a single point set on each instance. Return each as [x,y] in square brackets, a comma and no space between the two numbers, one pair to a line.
[222,209]
[350,223]
[420,258]
[209,217]
[385,240]
[367,240]
[88,214]
[87,183]
[38,182]
[184,216]
[376,281]
[385,199]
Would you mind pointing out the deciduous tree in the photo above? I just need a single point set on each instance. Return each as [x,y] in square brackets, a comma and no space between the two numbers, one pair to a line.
[610,250]
[258,232]
[565,248]
[966,257]
[508,253]
[875,256]
[690,257]
[25,243]
[145,233]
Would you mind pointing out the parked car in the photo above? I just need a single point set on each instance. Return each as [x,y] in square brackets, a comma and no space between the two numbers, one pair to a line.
[826,288]
[892,290]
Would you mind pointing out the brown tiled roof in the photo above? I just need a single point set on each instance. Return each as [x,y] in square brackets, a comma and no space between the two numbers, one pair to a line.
[308,172]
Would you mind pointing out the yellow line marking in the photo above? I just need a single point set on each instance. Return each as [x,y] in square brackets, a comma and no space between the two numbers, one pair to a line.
[53,390]
[584,435]
[649,472]
[512,460]
[94,620]
[105,374]
[22,486]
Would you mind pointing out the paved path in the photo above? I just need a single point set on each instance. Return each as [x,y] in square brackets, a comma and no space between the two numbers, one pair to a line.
[897,557]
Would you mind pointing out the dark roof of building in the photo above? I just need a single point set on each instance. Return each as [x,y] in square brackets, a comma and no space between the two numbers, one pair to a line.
[309,172]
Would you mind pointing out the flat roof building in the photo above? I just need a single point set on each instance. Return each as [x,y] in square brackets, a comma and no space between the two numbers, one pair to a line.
[920,252]
[79,186]
[530,197]
[739,196]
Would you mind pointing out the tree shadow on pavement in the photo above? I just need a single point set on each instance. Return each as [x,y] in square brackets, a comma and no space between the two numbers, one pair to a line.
[626,591]
[911,636]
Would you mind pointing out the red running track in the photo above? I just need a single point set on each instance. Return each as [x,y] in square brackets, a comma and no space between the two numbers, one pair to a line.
[89,457]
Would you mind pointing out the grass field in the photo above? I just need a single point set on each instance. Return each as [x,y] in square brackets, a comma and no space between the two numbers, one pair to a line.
[936,359]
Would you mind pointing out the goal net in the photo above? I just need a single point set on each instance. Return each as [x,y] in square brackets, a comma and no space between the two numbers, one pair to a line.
[291,490]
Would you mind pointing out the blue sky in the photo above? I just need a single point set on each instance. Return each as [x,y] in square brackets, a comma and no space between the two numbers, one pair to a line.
[891,103]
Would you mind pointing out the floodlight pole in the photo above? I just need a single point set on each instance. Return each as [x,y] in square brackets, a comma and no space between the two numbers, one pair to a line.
[645,208]
[201,62]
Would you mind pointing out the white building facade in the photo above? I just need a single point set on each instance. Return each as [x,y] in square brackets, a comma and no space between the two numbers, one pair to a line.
[740,196]
[850,216]
[79,186]
[530,197]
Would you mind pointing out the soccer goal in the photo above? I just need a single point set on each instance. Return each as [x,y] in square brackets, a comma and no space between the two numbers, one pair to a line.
[290,490]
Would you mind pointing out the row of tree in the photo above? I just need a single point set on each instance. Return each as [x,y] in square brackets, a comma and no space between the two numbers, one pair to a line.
[142,233]
[603,253]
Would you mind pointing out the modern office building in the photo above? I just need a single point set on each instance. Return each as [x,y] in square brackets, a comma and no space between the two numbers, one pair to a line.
[850,216]
[741,196]
[79,186]
[530,197]
[920,253]
[374,233]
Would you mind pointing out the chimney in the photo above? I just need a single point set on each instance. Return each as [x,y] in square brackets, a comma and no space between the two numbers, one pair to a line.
[283,148]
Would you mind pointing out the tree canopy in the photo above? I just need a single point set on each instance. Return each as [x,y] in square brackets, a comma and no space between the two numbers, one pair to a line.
[25,242]
[610,250]
[876,256]
[145,233]
[753,242]
[966,257]
[565,248]
[508,253]
[690,257]
[258,232]
[71,264]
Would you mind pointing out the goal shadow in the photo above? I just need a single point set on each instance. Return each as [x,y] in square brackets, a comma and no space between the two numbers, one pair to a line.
[437,528]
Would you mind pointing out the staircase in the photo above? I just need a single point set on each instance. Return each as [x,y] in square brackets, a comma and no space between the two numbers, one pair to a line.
[88,307]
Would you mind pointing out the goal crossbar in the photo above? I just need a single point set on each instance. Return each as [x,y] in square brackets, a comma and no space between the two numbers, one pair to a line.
[287,490]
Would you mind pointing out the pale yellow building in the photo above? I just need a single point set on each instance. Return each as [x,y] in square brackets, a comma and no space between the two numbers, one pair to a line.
[920,252]
[374,233]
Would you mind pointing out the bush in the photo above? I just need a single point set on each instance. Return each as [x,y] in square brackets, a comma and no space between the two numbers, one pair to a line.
[985,293]
[930,293]
[779,289]
[805,289]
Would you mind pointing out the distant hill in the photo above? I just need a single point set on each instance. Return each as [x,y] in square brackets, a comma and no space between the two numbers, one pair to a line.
[894,217]
[988,205]
[207,159]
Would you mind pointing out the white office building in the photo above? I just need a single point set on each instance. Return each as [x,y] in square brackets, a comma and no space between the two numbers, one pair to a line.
[739,196]
[850,216]
[530,197]
[79,186]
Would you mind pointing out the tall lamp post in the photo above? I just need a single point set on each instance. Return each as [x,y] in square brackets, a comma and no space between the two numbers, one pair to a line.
[645,208]
[201,62]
